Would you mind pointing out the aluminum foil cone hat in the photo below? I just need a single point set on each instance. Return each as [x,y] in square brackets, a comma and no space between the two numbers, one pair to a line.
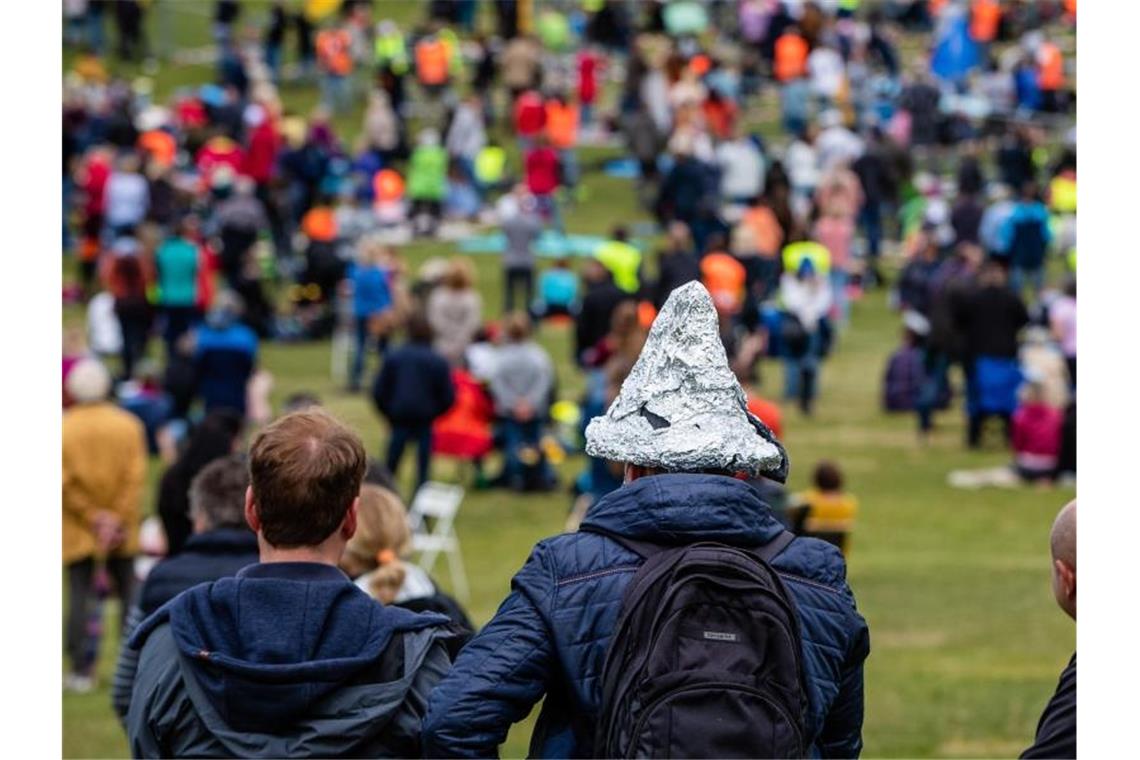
[681,408]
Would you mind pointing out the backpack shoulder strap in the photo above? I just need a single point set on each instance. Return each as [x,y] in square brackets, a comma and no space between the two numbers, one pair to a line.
[643,549]
[772,549]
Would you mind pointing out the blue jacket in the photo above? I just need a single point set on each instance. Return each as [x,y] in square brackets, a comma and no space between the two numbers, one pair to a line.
[224,358]
[1025,234]
[217,553]
[414,385]
[286,659]
[371,291]
[549,638]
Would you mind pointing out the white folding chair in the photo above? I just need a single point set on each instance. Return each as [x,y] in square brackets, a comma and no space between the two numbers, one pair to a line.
[440,502]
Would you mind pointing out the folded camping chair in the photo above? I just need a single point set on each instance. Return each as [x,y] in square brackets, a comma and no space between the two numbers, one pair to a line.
[439,503]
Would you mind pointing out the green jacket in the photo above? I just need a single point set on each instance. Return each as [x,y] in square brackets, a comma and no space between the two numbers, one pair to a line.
[427,173]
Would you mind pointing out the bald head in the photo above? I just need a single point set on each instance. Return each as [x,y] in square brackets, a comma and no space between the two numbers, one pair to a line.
[1063,539]
[1063,542]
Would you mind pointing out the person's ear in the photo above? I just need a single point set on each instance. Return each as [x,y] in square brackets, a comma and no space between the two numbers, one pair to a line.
[1068,578]
[348,527]
[252,519]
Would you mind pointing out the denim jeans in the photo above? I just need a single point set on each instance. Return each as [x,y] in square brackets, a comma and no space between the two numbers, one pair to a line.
[838,279]
[937,365]
[516,435]
[1019,276]
[801,373]
[568,161]
[548,207]
[336,92]
[359,356]
[402,435]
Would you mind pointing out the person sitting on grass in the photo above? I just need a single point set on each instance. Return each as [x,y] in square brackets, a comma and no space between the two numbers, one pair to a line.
[1035,434]
[557,292]
[521,389]
[288,658]
[825,511]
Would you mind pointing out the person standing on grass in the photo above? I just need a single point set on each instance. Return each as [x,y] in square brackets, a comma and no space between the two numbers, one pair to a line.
[373,306]
[176,266]
[104,466]
[221,545]
[522,230]
[455,311]
[1057,730]
[225,355]
[681,428]
[288,658]
[413,388]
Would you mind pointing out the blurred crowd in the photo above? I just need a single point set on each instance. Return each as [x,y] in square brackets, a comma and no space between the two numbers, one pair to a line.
[222,216]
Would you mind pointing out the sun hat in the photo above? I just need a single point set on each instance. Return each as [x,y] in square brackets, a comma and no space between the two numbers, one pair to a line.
[681,408]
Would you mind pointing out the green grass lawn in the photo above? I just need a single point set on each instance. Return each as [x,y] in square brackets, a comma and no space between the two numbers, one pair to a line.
[966,641]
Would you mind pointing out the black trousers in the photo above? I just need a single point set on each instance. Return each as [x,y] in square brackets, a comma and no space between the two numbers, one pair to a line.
[81,598]
[518,277]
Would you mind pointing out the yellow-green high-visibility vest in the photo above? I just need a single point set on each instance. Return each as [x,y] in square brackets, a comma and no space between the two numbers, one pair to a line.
[795,253]
[623,261]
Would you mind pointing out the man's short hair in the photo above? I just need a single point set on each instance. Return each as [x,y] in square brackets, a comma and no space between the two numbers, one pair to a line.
[217,493]
[305,470]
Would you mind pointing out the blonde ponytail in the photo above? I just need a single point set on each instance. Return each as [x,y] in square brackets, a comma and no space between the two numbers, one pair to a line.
[382,538]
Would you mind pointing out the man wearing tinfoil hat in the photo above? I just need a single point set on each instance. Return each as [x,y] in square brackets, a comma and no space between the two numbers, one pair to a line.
[681,426]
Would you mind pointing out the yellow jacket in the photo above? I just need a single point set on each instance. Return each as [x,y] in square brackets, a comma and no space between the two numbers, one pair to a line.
[829,512]
[104,466]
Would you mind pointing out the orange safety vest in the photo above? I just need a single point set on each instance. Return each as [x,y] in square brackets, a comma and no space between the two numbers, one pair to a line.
[319,223]
[791,57]
[985,15]
[334,49]
[562,124]
[1050,67]
[160,145]
[724,277]
[432,58]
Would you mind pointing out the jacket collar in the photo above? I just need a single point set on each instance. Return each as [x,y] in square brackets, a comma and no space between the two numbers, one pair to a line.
[681,508]
[305,572]
[223,540]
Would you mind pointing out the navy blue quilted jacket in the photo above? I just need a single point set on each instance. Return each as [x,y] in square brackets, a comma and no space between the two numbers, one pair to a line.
[549,637]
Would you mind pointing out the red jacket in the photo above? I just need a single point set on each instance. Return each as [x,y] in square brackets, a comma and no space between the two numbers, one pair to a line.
[1037,431]
[530,114]
[542,171]
[261,156]
[587,78]
[464,431]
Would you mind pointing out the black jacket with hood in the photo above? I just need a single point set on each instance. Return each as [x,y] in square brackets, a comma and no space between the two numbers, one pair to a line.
[283,660]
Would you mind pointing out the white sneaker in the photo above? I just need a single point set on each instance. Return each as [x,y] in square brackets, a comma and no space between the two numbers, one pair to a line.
[79,684]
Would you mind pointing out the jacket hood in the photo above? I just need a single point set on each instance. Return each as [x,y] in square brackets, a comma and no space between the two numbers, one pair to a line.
[682,508]
[264,649]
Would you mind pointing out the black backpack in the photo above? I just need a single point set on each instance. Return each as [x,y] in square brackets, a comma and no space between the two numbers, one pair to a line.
[705,660]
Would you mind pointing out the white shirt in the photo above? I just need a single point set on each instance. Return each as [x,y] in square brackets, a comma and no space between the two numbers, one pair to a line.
[103,332]
[801,159]
[128,198]
[837,145]
[808,300]
[741,169]
[826,69]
